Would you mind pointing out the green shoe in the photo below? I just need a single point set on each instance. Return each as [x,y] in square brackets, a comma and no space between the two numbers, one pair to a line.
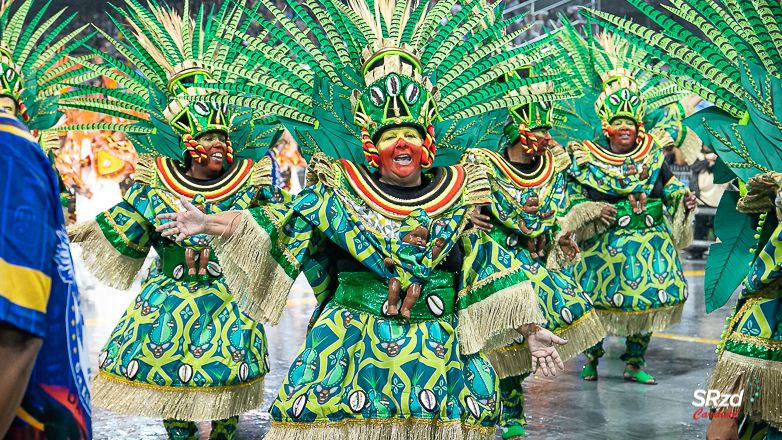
[640,377]
[589,373]
[513,433]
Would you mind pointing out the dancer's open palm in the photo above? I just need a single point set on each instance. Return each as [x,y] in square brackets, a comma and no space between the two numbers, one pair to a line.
[542,348]
[183,224]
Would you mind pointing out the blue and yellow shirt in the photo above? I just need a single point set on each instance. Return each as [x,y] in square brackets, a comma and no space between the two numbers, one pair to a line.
[39,293]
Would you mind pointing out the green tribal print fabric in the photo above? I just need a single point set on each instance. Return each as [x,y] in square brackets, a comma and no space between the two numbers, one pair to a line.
[183,349]
[632,270]
[752,345]
[361,373]
[567,309]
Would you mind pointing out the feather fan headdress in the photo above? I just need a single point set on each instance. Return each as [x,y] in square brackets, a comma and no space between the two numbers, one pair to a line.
[178,58]
[381,63]
[33,59]
[618,79]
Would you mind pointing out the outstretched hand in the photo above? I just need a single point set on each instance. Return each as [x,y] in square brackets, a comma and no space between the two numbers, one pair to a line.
[541,346]
[183,224]
[568,245]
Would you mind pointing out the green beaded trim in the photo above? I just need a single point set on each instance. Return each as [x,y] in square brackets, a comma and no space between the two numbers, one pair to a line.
[365,292]
[754,351]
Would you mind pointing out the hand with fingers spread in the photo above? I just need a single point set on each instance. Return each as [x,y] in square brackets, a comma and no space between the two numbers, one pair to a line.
[608,215]
[568,244]
[481,221]
[183,224]
[541,346]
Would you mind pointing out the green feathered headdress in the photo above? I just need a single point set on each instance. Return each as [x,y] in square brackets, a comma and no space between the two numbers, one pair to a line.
[382,63]
[34,59]
[531,116]
[616,79]
[179,60]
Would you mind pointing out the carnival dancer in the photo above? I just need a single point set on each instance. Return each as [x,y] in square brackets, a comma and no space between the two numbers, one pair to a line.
[629,251]
[740,128]
[528,167]
[183,351]
[362,373]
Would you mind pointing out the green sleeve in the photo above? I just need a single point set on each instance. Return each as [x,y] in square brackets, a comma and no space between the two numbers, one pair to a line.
[116,243]
[495,296]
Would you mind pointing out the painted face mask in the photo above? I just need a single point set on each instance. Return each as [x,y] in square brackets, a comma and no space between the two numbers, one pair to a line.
[401,158]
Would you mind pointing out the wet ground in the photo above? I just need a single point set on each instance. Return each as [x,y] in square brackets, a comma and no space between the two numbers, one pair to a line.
[564,407]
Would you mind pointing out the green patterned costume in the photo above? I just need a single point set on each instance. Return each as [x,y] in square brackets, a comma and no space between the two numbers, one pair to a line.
[736,67]
[631,269]
[183,351]
[567,309]
[379,65]
[361,373]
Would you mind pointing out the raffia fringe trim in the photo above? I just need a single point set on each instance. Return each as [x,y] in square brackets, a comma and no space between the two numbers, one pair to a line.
[557,259]
[584,220]
[491,324]
[379,429]
[101,258]
[765,378]
[516,359]
[258,283]
[683,227]
[188,404]
[632,323]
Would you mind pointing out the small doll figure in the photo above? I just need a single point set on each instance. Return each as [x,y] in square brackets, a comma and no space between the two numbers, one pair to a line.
[190,253]
[630,169]
[531,215]
[414,233]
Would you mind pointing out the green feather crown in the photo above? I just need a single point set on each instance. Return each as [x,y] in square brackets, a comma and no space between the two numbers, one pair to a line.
[535,114]
[178,60]
[34,58]
[616,79]
[382,63]
[736,67]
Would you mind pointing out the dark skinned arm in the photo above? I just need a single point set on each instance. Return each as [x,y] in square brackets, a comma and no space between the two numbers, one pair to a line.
[18,351]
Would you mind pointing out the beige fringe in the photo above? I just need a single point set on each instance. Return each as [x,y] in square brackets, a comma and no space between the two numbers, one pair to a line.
[258,283]
[188,404]
[759,188]
[379,429]
[682,227]
[633,323]
[146,170]
[516,360]
[101,258]
[765,378]
[556,259]
[491,324]
[584,220]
